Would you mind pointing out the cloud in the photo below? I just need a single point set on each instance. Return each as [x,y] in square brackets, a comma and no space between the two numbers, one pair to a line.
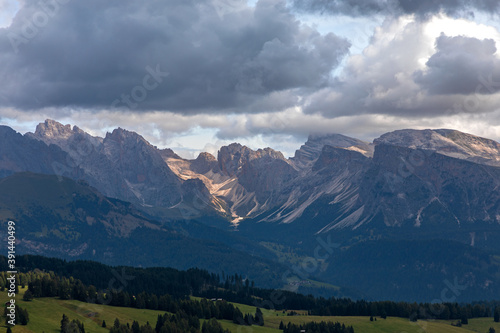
[406,71]
[459,66]
[181,56]
[421,8]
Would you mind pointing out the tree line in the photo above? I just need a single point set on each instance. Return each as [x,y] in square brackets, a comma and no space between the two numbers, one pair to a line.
[161,288]
[313,327]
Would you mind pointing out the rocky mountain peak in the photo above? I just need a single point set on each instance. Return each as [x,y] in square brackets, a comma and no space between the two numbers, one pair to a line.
[119,135]
[53,129]
[231,158]
[121,140]
[204,163]
[310,151]
[204,156]
[269,153]
[447,142]
[77,143]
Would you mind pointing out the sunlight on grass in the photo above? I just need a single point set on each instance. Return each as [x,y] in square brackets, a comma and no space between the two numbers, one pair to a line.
[46,313]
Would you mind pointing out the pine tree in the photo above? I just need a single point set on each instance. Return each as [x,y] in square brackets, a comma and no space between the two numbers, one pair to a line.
[28,296]
[160,321]
[249,320]
[281,325]
[23,316]
[497,314]
[81,326]
[64,323]
[383,314]
[135,327]
[237,317]
[491,330]
[9,330]
[103,323]
[259,317]
[147,328]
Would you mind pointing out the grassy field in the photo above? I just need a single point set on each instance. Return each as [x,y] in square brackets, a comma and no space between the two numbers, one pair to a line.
[272,320]
[392,325]
[46,313]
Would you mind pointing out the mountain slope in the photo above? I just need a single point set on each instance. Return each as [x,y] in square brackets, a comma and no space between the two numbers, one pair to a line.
[56,216]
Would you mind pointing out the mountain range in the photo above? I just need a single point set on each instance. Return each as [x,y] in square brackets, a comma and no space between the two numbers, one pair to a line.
[428,190]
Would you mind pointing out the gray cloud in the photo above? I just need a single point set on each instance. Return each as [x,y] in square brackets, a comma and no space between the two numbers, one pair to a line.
[460,65]
[220,55]
[422,8]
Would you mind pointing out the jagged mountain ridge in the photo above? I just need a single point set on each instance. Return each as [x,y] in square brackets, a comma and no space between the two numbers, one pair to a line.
[405,178]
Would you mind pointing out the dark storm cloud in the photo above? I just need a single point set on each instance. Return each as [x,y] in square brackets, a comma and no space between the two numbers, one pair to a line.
[461,65]
[184,56]
[421,8]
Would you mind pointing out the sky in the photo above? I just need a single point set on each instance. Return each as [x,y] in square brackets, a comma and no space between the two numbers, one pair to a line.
[193,75]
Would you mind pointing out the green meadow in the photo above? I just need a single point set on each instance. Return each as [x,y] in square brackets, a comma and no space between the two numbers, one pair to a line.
[46,313]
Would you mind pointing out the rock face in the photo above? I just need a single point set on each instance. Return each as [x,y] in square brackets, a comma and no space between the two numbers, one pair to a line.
[263,172]
[431,188]
[144,174]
